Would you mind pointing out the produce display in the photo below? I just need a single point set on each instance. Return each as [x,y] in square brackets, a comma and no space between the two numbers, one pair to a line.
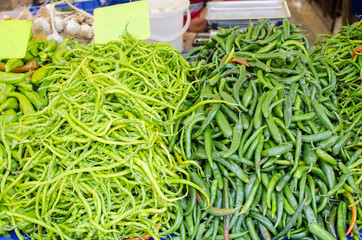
[94,163]
[283,157]
[255,135]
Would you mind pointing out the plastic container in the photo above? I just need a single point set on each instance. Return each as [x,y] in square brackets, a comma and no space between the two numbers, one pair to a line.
[166,21]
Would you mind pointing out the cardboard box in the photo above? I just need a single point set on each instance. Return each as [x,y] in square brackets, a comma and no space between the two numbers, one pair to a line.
[6,5]
[21,3]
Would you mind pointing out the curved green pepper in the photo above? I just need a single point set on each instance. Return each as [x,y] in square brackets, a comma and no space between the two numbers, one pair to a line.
[9,87]
[2,90]
[24,86]
[58,57]
[52,46]
[25,106]
[38,102]
[10,116]
[11,77]
[39,75]
[3,98]
[10,103]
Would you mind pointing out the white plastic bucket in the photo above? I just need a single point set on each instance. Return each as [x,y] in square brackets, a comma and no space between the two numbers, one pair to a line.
[166,21]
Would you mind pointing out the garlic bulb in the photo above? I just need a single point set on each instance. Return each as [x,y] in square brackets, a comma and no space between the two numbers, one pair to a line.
[72,27]
[41,25]
[58,24]
[86,31]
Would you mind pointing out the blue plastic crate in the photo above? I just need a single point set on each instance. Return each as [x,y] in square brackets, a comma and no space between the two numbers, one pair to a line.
[12,234]
[88,5]
[14,237]
[114,2]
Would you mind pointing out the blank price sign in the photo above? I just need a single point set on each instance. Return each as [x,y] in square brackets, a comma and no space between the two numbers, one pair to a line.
[111,22]
[14,38]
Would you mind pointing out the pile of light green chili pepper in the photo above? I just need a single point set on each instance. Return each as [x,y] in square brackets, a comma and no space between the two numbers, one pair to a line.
[281,159]
[94,163]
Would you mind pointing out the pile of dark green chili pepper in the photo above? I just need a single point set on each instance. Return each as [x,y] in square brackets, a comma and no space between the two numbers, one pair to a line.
[281,159]
[94,163]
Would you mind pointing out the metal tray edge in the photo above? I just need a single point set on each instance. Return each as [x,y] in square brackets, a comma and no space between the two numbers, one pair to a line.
[284,4]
